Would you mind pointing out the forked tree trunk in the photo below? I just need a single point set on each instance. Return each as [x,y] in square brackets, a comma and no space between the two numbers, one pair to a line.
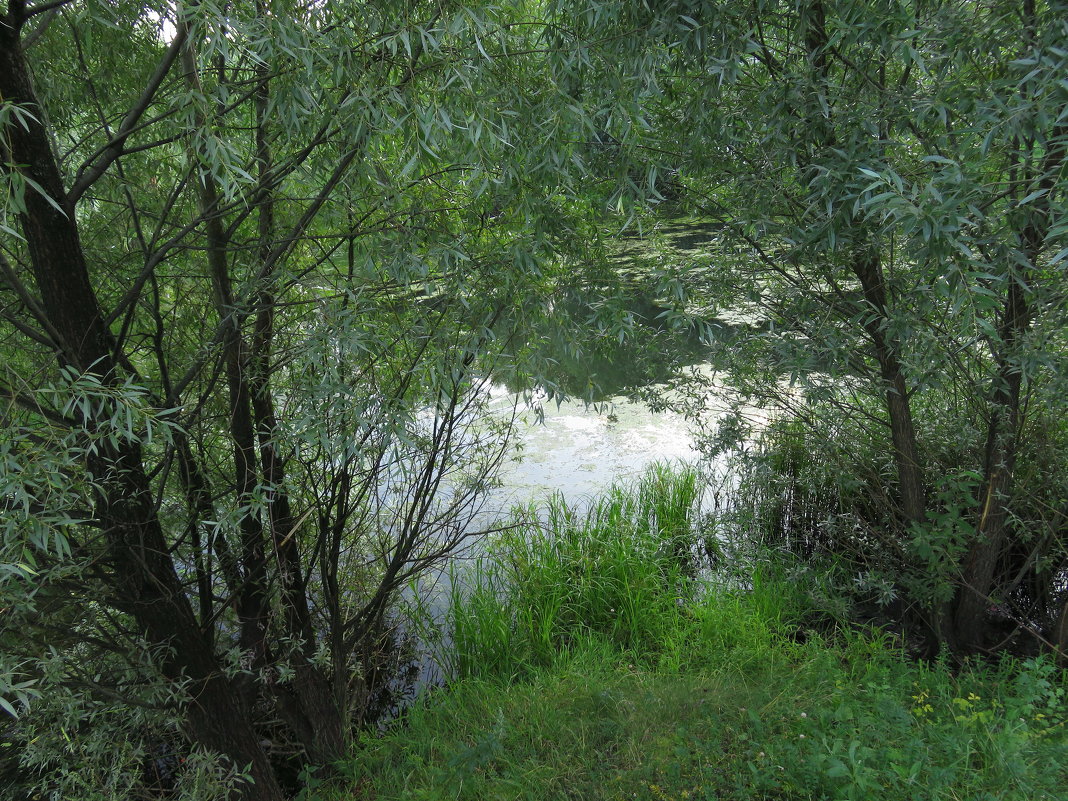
[979,566]
[868,269]
[306,703]
[977,572]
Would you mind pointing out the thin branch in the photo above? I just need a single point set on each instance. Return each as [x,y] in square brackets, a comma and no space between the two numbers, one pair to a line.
[31,38]
[89,174]
[43,7]
[32,305]
[30,403]
[29,331]
[236,317]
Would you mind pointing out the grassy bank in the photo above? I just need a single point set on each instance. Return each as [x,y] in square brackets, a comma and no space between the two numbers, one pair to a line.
[588,663]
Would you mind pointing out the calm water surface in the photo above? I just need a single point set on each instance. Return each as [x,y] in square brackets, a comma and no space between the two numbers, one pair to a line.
[579,450]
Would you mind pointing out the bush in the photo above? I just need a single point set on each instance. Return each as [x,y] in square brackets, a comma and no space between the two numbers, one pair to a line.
[822,486]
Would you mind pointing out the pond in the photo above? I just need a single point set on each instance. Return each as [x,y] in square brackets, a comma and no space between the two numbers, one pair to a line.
[579,449]
[601,435]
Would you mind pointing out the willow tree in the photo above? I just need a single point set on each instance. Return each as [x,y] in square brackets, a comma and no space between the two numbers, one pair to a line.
[888,179]
[253,258]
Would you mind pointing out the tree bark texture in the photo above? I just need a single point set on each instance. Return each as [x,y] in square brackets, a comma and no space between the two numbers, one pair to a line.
[868,269]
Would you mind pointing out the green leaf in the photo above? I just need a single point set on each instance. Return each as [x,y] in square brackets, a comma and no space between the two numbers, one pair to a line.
[837,769]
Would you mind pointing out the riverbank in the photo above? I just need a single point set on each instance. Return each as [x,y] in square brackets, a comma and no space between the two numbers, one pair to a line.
[588,661]
[852,722]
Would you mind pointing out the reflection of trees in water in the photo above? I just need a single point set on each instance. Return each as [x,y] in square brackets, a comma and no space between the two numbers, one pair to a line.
[600,341]
[617,328]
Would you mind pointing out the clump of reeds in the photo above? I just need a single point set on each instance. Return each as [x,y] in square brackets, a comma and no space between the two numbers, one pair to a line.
[613,569]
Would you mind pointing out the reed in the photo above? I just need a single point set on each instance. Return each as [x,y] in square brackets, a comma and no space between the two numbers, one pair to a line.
[615,569]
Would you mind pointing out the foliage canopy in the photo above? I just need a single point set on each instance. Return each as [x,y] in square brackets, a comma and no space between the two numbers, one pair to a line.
[258,259]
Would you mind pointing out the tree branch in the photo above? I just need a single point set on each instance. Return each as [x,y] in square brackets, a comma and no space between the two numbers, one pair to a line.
[90,173]
[33,306]
[241,312]
[43,7]
[31,38]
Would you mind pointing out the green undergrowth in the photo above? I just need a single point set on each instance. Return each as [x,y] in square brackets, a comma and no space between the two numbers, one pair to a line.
[588,661]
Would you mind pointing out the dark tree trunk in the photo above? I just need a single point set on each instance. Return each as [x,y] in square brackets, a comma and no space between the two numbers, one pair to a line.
[144,581]
[868,269]
[1060,636]
[978,573]
[307,702]
[979,568]
[312,704]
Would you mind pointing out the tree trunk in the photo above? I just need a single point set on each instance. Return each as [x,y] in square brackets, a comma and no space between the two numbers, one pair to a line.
[1060,636]
[979,566]
[144,581]
[978,569]
[306,703]
[868,269]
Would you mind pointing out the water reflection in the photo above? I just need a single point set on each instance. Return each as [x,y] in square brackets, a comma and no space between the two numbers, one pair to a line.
[600,435]
[579,355]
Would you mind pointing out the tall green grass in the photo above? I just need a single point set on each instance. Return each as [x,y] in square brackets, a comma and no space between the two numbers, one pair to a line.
[589,662]
[620,570]
[612,570]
